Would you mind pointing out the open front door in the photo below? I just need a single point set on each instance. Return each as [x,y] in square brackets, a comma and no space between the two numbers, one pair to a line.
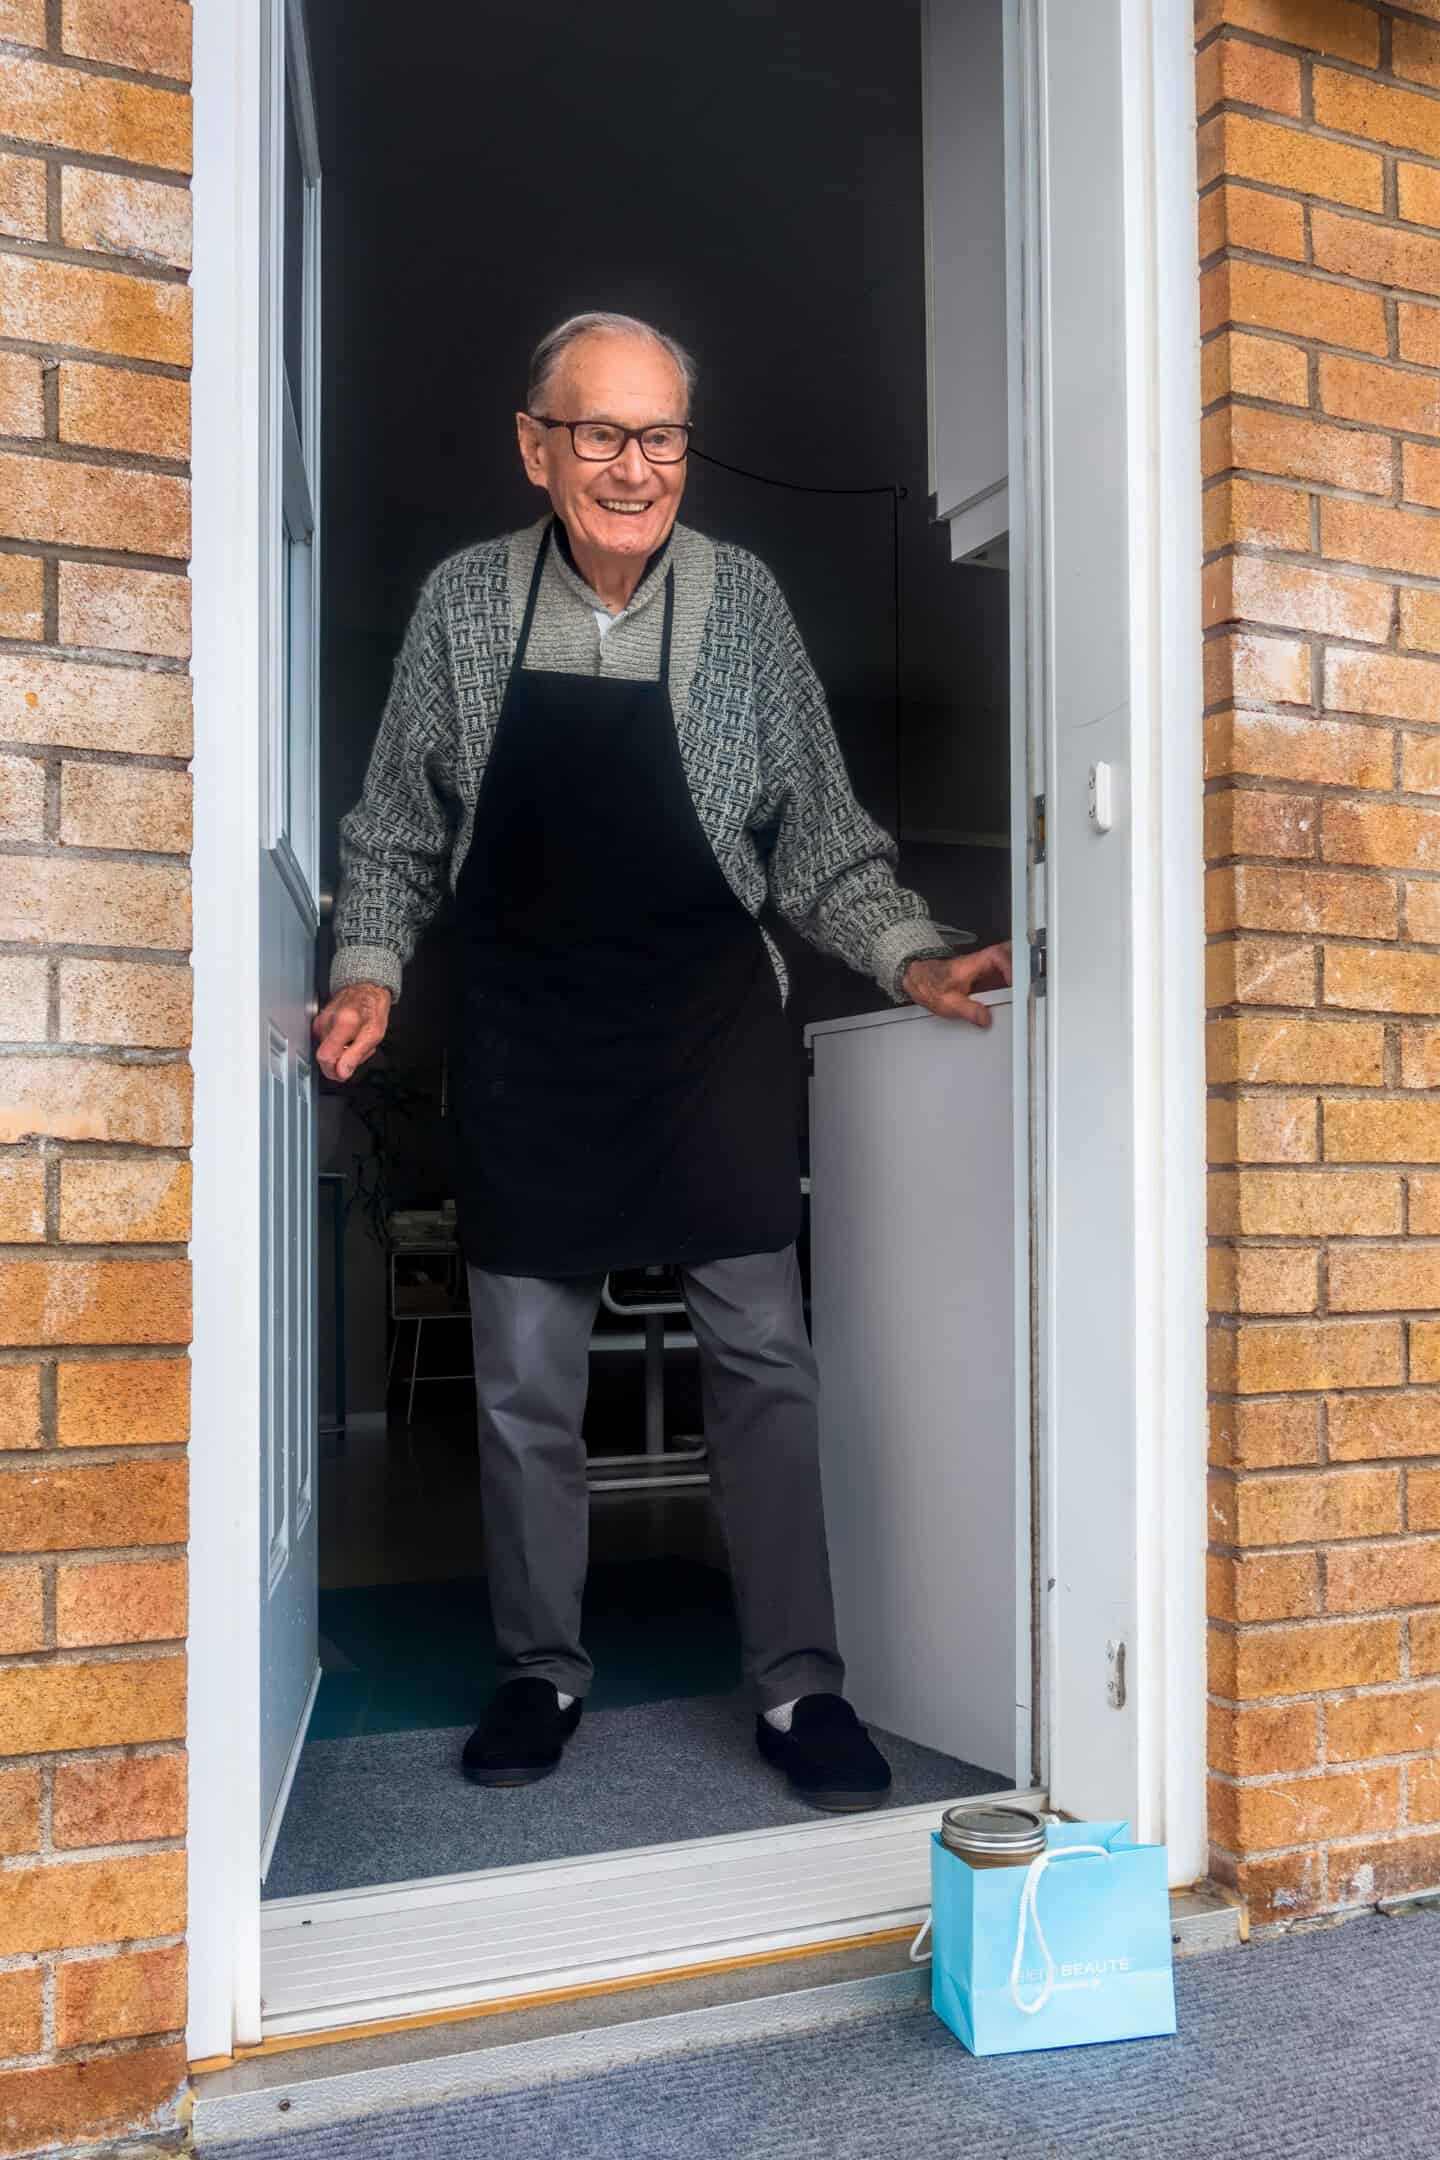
[289,1670]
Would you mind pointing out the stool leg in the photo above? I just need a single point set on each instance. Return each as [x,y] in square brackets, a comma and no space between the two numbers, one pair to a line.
[654,1383]
[414,1367]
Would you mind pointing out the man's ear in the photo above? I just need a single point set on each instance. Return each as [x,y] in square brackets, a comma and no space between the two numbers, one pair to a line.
[531,441]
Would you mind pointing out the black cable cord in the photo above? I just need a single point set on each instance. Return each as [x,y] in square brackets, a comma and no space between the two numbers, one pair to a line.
[897,495]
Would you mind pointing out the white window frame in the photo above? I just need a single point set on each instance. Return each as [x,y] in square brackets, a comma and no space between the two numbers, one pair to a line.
[234,671]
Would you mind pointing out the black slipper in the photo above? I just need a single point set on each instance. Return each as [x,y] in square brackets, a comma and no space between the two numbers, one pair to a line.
[828,1755]
[522,1735]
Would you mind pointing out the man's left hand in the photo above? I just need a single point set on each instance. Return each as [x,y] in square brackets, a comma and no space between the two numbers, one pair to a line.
[945,986]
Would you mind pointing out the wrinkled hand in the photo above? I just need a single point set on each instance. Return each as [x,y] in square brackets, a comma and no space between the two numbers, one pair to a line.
[944,986]
[350,1029]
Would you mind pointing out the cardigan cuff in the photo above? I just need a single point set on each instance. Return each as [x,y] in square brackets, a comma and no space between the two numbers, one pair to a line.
[366,963]
[916,938]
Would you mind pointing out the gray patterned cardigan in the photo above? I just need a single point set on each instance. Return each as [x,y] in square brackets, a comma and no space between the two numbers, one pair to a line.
[759,752]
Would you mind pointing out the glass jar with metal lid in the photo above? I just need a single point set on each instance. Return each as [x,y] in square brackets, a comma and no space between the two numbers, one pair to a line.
[988,1837]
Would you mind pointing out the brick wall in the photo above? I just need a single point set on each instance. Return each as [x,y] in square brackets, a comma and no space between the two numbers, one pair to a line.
[94,1087]
[1320,239]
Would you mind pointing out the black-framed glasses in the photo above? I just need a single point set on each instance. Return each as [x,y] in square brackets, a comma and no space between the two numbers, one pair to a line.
[597,442]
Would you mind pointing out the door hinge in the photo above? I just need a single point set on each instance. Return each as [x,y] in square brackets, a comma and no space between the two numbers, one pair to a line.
[1038,970]
[1115,1675]
[1037,829]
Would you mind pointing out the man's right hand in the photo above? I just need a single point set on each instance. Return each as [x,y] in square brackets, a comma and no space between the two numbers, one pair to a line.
[350,1029]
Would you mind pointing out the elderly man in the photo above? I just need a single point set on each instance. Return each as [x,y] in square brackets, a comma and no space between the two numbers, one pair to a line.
[605,735]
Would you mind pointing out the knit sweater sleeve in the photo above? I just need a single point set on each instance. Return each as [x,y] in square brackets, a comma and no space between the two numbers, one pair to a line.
[395,845]
[831,868]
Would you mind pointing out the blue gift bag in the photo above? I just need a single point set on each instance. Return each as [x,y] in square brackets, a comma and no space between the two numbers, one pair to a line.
[1072,1949]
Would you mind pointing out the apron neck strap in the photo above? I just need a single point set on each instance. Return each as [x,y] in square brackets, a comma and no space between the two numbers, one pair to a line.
[532,597]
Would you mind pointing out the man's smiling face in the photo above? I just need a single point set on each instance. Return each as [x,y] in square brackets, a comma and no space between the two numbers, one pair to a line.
[625,508]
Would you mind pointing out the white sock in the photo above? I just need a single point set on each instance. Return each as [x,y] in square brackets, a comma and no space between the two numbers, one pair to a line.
[563,1700]
[781,1715]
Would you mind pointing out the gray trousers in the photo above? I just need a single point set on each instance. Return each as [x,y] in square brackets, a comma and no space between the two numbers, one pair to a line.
[758,1387]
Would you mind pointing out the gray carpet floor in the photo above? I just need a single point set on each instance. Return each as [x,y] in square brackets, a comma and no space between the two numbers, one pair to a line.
[1313,2047]
[392,1807]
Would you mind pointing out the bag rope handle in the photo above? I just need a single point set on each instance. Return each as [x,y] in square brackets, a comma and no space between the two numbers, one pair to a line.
[1030,1916]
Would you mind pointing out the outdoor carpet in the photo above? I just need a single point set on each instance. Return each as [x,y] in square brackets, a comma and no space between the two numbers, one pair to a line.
[1311,2047]
[392,1807]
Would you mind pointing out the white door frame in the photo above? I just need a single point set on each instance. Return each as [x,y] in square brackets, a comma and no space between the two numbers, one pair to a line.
[1163,1453]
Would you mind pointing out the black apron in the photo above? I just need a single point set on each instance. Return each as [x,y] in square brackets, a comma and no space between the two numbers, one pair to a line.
[622,1094]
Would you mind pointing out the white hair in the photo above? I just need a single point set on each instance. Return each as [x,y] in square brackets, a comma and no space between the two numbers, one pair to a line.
[553,347]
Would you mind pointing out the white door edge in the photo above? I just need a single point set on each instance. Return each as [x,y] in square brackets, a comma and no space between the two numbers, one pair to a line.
[287,1777]
[223,1710]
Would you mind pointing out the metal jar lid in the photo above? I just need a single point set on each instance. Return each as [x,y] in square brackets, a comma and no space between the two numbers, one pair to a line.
[1001,1832]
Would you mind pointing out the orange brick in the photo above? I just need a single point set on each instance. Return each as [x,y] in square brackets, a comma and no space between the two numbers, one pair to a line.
[1398,834]
[119,1800]
[1354,105]
[67,108]
[88,2098]
[82,1099]
[1264,1129]
[22,1199]
[1259,971]
[119,1601]
[1373,1578]
[1422,1496]
[1262,1435]
[1281,1888]
[22,1610]
[75,1902]
[1366,979]
[115,409]
[1338,27]
[1425,1210]
[22,2012]
[1385,1278]
[126,1202]
[1387,539]
[1292,746]
[1304,1508]
[1305,1659]
[1422,911]
[106,311]
[1387,255]
[125,1002]
[22,595]
[22,398]
[1416,53]
[22,22]
[1420,473]
[19,1406]
[1267,1279]
[1388,397]
[1424,1350]
[1254,1743]
[1300,1203]
[1257,896]
[1237,510]
[1422,1784]
[22,789]
[51,900]
[1420,764]
[112,214]
[1270,670]
[49,1708]
[1251,588]
[150,36]
[94,1301]
[125,806]
[1252,821]
[1257,297]
[122,1402]
[1364,1427]
[1241,147]
[96,506]
[1424,1632]
[141,611]
[119,1998]
[22,198]
[1418,193]
[1251,437]
[1270,1357]
[1382,1131]
[19,1819]
[1257,1818]
[24,999]
[1403,1722]
[1264,1586]
[66,703]
[1419,327]
[1241,74]
[120,1503]
[1246,217]
[1258,1047]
